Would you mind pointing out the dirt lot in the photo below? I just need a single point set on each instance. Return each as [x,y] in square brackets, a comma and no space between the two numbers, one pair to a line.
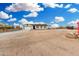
[38,43]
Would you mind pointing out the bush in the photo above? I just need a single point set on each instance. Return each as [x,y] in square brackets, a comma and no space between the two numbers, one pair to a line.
[70,27]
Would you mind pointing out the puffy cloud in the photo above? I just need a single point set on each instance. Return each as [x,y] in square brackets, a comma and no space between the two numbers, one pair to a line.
[56,5]
[32,7]
[67,6]
[76,3]
[73,23]
[53,5]
[52,22]
[12,20]
[77,21]
[32,14]
[54,26]
[30,22]
[23,21]
[16,24]
[4,15]
[59,19]
[39,23]
[73,10]
[10,16]
[60,6]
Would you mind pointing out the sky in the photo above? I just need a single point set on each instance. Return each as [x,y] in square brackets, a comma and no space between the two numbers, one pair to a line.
[56,14]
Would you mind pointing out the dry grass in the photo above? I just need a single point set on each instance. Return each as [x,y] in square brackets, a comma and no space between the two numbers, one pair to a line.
[38,43]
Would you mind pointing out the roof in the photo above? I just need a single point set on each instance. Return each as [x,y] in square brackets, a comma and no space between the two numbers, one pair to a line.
[37,24]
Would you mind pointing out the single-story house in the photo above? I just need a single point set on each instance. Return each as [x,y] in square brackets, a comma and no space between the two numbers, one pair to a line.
[35,26]
[2,25]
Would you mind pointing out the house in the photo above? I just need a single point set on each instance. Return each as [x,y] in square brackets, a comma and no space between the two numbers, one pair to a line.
[2,24]
[40,26]
[35,26]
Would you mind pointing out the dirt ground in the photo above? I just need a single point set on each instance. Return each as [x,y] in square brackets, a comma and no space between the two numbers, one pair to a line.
[38,43]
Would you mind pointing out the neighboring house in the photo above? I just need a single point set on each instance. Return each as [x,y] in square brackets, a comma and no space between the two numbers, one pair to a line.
[2,25]
[36,26]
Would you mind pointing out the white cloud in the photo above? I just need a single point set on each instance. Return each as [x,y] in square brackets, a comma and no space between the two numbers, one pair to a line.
[73,10]
[76,3]
[54,26]
[32,14]
[23,21]
[73,23]
[10,16]
[32,7]
[12,20]
[60,6]
[4,15]
[67,6]
[16,24]
[52,22]
[31,22]
[59,19]
[39,23]
[53,5]
[77,21]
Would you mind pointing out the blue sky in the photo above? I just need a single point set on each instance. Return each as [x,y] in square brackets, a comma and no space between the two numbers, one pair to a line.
[68,11]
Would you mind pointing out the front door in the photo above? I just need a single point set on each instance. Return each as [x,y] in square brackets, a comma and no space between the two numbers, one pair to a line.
[33,26]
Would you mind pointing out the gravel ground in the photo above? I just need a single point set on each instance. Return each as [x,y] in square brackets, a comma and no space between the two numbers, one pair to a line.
[38,43]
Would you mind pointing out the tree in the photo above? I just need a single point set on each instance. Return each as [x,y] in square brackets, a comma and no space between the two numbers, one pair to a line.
[70,27]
